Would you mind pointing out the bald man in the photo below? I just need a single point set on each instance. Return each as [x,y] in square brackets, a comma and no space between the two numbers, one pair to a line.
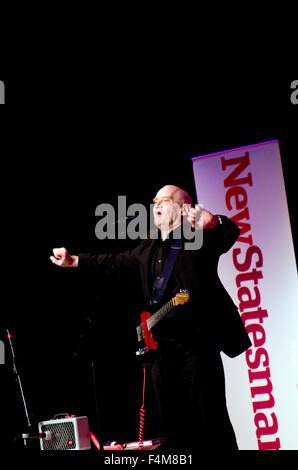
[187,371]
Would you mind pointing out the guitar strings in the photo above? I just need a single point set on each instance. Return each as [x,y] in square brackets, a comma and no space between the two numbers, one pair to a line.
[156,317]
[162,312]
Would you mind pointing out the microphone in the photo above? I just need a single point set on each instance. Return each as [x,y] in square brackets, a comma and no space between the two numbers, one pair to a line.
[47,436]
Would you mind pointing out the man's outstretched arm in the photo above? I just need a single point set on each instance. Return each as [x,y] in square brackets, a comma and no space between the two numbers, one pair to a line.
[105,262]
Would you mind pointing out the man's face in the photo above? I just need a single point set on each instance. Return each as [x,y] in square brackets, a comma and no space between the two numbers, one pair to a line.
[167,211]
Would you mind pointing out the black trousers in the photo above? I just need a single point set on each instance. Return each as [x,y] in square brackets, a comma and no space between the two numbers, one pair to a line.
[189,387]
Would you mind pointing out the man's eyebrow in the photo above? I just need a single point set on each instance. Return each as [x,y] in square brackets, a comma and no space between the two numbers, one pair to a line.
[162,198]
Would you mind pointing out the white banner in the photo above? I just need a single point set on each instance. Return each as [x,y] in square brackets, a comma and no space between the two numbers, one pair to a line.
[260,274]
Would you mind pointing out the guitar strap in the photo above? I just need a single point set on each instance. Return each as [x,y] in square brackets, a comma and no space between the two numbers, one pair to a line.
[166,272]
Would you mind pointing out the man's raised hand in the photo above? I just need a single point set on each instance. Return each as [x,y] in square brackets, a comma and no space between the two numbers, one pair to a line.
[200,218]
[62,258]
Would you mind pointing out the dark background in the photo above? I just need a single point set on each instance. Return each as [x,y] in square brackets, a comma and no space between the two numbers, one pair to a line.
[72,140]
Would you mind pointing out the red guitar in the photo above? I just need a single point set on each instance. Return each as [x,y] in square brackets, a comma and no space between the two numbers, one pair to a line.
[149,321]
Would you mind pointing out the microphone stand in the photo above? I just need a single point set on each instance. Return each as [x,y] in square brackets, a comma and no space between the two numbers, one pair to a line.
[19,382]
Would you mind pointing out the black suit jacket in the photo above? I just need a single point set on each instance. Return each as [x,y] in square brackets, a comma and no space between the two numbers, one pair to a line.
[210,318]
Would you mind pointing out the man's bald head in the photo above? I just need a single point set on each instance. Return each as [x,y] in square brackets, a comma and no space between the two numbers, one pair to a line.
[178,195]
[169,207]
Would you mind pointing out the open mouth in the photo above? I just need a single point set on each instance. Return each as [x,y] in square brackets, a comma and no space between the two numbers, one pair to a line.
[158,212]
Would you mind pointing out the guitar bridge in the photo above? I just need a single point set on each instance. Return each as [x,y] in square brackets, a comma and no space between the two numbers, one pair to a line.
[141,351]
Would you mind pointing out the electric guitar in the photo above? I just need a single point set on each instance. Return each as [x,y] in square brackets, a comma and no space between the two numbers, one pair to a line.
[148,321]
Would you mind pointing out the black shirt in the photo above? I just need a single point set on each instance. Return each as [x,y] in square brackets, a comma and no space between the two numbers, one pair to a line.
[159,255]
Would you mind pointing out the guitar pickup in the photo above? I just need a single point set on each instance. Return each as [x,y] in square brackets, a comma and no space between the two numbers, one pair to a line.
[140,332]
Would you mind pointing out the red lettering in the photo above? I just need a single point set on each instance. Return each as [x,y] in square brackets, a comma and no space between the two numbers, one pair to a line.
[254,329]
[272,445]
[236,192]
[248,258]
[243,226]
[262,389]
[253,275]
[259,353]
[249,302]
[258,314]
[242,163]
[265,430]
[257,357]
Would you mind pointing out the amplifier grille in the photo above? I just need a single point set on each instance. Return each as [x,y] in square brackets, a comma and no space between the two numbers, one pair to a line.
[63,437]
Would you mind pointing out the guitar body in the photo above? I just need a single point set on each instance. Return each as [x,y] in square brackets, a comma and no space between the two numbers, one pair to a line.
[150,343]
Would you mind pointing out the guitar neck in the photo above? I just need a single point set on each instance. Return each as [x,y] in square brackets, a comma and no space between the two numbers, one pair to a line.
[161,313]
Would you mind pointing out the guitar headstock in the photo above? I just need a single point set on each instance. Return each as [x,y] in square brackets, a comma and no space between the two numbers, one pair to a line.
[182,297]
